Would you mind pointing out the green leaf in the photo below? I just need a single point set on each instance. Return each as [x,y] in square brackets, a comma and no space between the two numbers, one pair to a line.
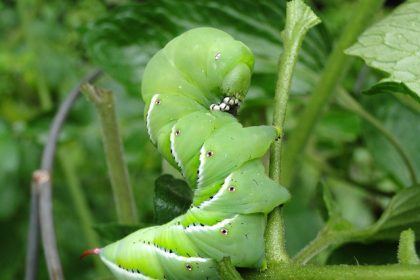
[124,41]
[330,204]
[391,45]
[327,206]
[402,121]
[388,88]
[301,218]
[339,126]
[172,198]
[302,18]
[111,232]
[402,212]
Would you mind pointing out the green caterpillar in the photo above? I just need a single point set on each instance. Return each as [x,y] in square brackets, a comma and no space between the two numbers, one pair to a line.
[191,88]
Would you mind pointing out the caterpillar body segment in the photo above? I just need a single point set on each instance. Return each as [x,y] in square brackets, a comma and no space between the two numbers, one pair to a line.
[190,89]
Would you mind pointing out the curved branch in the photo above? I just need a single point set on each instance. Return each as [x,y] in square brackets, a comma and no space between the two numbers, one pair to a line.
[33,235]
[49,151]
[41,205]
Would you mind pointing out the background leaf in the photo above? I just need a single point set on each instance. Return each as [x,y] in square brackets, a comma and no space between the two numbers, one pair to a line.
[10,197]
[380,242]
[361,254]
[123,42]
[111,232]
[403,212]
[403,122]
[172,198]
[388,88]
[327,205]
[391,45]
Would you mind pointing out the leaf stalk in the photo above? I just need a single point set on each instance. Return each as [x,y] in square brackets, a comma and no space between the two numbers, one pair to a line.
[299,19]
[118,171]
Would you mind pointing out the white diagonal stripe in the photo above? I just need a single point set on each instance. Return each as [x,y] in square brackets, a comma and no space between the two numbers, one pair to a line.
[149,112]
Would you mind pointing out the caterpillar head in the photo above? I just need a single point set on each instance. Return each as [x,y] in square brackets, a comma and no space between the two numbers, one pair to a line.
[232,62]
[234,88]
[229,104]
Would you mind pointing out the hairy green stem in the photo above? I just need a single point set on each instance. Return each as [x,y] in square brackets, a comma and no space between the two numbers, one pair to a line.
[338,272]
[348,102]
[335,68]
[299,19]
[275,241]
[122,192]
[80,204]
[407,248]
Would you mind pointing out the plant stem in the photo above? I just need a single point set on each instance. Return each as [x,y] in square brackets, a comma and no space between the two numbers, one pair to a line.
[338,272]
[60,117]
[42,181]
[407,248]
[296,27]
[80,204]
[121,188]
[335,68]
[328,237]
[348,102]
[42,186]
[33,235]
[275,241]
[299,19]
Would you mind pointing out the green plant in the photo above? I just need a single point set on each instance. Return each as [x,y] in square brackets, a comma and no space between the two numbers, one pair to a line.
[353,160]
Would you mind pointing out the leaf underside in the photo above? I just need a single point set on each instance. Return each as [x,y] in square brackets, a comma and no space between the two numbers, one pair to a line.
[124,41]
[392,45]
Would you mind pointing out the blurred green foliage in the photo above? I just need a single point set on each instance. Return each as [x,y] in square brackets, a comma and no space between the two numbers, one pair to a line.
[172,198]
[41,59]
[46,47]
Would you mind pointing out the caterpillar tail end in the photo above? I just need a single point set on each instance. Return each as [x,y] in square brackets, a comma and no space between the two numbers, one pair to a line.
[94,251]
[264,265]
